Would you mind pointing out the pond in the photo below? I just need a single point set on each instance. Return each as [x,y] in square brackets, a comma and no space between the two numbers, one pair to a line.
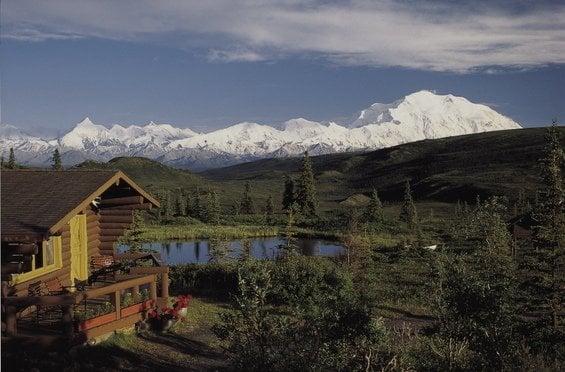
[204,251]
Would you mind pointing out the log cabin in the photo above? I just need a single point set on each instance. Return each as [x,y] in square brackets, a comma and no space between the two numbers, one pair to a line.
[60,267]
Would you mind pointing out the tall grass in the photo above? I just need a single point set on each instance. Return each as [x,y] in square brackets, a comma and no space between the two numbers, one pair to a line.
[202,231]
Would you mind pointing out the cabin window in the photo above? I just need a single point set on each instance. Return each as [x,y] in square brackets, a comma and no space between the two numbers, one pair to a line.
[46,255]
[48,259]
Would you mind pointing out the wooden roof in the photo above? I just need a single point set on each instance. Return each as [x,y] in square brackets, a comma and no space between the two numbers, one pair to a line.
[35,203]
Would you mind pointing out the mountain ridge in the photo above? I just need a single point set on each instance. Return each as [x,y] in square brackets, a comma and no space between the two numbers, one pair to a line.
[418,116]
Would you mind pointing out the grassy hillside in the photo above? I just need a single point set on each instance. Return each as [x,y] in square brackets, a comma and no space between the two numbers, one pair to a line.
[150,174]
[446,169]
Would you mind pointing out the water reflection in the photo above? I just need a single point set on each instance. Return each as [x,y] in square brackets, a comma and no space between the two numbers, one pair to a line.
[215,250]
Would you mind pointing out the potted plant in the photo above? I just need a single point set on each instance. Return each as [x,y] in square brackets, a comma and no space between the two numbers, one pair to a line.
[181,305]
[162,319]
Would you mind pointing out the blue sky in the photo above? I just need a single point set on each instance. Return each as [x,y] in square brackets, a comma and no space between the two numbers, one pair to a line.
[207,65]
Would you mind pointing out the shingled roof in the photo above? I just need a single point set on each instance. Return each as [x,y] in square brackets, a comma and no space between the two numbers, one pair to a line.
[33,202]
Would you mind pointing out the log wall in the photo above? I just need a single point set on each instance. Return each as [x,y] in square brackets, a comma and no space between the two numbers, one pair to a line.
[113,223]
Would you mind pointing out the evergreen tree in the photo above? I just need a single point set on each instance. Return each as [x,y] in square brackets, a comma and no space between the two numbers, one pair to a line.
[213,210]
[197,208]
[490,228]
[235,208]
[180,205]
[544,261]
[477,307]
[134,232]
[408,212]
[2,161]
[306,197]
[11,159]
[188,205]
[269,210]
[458,209]
[247,206]
[374,212]
[56,160]
[521,204]
[289,193]
[290,248]
[166,205]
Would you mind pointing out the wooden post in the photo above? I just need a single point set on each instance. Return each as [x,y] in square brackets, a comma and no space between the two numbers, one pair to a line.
[135,294]
[165,285]
[5,289]
[117,303]
[68,328]
[153,289]
[10,320]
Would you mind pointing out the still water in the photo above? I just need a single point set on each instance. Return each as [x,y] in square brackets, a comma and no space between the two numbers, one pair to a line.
[204,251]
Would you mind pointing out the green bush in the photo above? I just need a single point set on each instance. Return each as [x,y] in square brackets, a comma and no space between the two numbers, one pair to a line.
[477,305]
[214,280]
[320,323]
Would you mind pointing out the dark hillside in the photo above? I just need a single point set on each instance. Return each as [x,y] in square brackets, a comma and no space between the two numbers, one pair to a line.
[445,169]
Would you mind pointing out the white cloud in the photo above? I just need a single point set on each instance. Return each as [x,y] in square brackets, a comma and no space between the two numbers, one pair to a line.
[216,55]
[441,36]
[32,35]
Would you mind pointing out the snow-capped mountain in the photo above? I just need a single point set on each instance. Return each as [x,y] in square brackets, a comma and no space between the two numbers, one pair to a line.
[418,116]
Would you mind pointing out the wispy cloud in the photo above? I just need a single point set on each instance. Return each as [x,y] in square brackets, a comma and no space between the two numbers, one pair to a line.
[216,55]
[438,35]
[32,35]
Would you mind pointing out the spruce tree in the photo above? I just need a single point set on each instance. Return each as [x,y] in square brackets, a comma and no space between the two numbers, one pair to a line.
[374,212]
[490,229]
[269,210]
[133,233]
[56,160]
[197,210]
[11,159]
[521,204]
[544,271]
[180,205]
[2,161]
[188,205]
[306,197]
[408,212]
[247,206]
[166,205]
[289,193]
[213,210]
[235,208]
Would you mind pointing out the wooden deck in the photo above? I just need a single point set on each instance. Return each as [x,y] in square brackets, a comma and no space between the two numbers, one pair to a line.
[47,319]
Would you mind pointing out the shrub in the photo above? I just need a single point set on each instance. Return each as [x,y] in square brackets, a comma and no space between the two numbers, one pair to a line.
[215,280]
[477,306]
[321,325]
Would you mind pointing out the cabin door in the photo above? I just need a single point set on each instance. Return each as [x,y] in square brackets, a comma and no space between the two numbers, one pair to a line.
[79,253]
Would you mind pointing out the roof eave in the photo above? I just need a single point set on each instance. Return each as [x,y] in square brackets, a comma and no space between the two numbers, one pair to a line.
[119,175]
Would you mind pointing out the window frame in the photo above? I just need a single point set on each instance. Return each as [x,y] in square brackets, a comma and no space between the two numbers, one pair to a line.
[57,264]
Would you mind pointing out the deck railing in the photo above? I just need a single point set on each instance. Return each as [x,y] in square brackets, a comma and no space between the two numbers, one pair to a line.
[138,277]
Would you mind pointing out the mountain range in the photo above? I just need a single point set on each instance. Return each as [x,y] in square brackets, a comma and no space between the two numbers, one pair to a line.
[418,116]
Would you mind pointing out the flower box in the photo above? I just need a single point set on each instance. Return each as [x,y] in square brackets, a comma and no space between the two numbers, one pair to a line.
[136,308]
[96,321]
